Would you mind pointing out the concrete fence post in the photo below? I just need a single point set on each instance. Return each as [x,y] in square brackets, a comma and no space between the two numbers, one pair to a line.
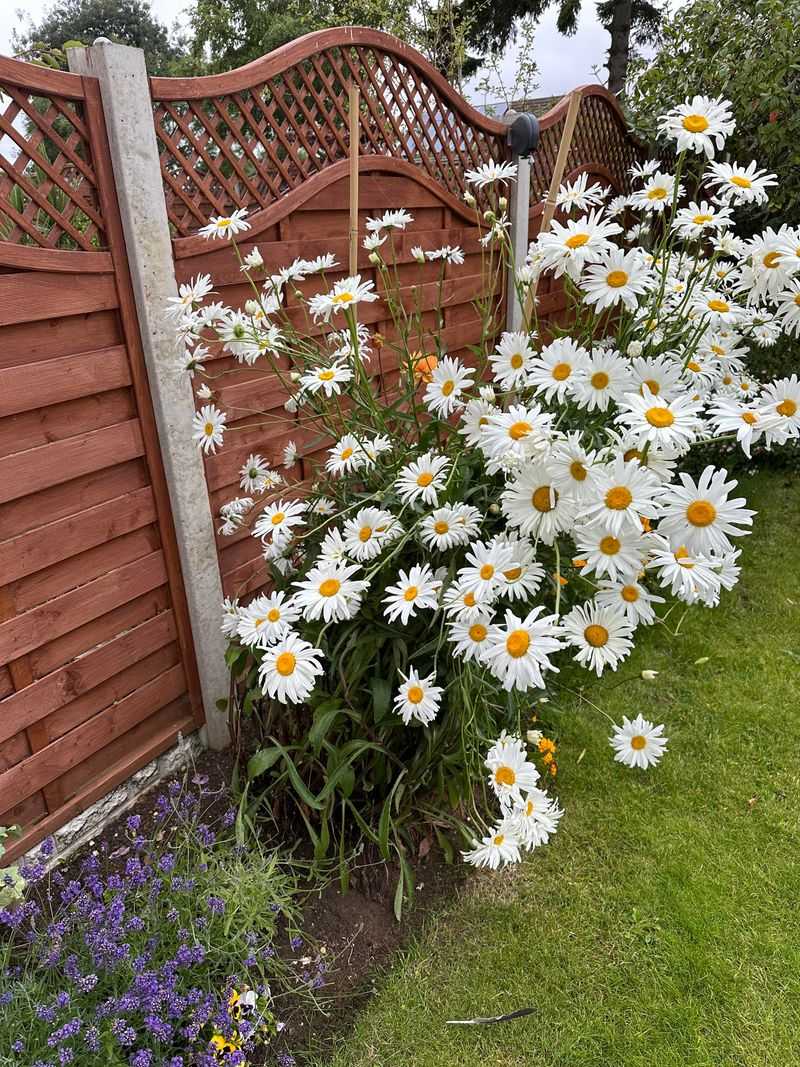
[128,111]
[523,135]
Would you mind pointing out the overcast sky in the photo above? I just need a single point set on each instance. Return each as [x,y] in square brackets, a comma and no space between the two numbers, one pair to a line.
[564,62]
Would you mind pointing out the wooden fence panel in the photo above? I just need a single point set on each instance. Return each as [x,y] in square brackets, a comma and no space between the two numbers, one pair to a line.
[97,674]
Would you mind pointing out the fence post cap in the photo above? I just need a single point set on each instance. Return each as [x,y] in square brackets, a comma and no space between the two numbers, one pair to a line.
[522,135]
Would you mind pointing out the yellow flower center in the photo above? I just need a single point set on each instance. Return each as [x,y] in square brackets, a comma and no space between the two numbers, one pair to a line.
[695,123]
[719,305]
[616,279]
[343,298]
[693,366]
[599,379]
[516,361]
[415,695]
[596,635]
[749,417]
[544,498]
[346,453]
[701,220]
[498,839]
[477,632]
[577,240]
[505,776]
[630,594]
[797,299]
[786,407]
[518,430]
[469,600]
[578,471]
[771,259]
[208,429]
[652,385]
[486,572]
[448,387]
[513,574]
[609,546]
[659,417]
[364,534]
[410,593]
[518,643]
[619,498]
[632,453]
[326,375]
[638,742]
[424,479]
[681,556]
[741,181]
[718,350]
[285,664]
[223,224]
[273,614]
[561,371]
[441,527]
[330,587]
[658,192]
[701,513]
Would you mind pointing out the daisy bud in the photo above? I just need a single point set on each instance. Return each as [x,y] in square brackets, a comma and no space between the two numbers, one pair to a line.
[374,259]
[503,203]
[418,254]
[635,348]
[533,737]
[470,200]
[251,307]
[649,676]
[204,392]
[294,375]
[489,215]
[494,509]
[291,405]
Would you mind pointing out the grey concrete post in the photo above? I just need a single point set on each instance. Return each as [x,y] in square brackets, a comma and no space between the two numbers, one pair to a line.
[518,208]
[128,111]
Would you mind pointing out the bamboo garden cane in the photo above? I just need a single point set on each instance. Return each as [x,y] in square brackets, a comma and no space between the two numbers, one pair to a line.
[353,105]
[558,173]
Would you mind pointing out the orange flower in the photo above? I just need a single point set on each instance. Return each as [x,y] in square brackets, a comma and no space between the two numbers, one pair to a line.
[561,581]
[553,769]
[424,366]
[546,745]
[547,758]
[646,524]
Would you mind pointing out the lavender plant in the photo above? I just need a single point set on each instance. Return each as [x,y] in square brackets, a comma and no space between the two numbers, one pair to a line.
[159,953]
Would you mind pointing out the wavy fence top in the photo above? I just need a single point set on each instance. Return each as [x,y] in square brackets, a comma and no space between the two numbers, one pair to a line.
[48,185]
[246,138]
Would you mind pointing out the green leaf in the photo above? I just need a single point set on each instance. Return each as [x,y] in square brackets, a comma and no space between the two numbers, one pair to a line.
[381,697]
[262,760]
[324,718]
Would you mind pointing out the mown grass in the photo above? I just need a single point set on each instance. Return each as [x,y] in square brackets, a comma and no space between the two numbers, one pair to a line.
[661,928]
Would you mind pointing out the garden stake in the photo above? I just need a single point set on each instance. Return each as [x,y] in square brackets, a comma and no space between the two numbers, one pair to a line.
[555,183]
[353,116]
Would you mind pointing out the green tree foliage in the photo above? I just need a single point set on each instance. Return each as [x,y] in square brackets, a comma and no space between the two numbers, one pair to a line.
[228,33]
[746,51]
[81,21]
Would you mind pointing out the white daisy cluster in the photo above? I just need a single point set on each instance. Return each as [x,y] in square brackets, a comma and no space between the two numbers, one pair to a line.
[528,815]
[524,505]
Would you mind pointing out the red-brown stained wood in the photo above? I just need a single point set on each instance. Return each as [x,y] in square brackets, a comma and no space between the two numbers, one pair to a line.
[28,297]
[53,381]
[31,429]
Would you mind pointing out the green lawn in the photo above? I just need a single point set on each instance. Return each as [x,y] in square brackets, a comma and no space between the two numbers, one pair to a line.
[661,928]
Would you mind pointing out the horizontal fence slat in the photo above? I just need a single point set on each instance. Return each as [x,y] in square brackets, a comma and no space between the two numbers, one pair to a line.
[31,296]
[52,381]
[39,468]
[42,624]
[83,674]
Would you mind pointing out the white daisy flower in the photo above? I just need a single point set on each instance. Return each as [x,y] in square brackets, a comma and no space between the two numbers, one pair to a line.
[699,514]
[533,505]
[574,467]
[553,372]
[605,378]
[189,293]
[626,491]
[346,293]
[577,196]
[699,125]
[535,819]
[252,261]
[483,573]
[208,426]
[617,277]
[464,605]
[278,519]
[333,548]
[323,506]
[368,533]
[660,375]
[717,308]
[512,360]
[740,185]
[445,389]
[415,589]
[515,434]
[266,619]
[448,253]
[329,379]
[231,616]
[782,398]
[510,771]
[525,576]
[601,634]
[567,248]
[638,743]
[641,171]
[475,419]
[290,454]
[226,225]
[729,415]
[233,514]
[330,592]
[253,475]
[497,850]
[417,697]
[390,220]
[632,599]
[648,418]
[373,241]
[518,652]
[346,456]
[688,577]
[289,669]
[618,555]
[657,193]
[447,527]
[697,220]
[489,173]
[469,639]
[423,479]
[378,446]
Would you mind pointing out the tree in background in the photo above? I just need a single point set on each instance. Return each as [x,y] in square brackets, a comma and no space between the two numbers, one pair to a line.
[746,51]
[81,21]
[629,22]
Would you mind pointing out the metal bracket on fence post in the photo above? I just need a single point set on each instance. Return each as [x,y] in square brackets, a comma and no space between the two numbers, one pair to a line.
[128,110]
[523,137]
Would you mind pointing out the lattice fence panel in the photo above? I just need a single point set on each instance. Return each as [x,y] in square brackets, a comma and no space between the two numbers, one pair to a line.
[246,149]
[48,187]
